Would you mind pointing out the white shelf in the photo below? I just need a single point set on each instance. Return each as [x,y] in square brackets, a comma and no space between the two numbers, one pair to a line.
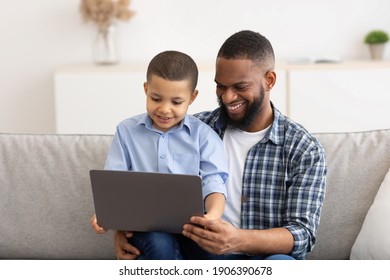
[93,99]
[324,97]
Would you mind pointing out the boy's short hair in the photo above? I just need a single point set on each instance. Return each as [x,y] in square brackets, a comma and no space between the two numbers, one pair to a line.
[251,45]
[173,66]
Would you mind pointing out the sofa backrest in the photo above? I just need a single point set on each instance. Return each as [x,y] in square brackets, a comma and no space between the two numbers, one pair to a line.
[45,197]
[357,165]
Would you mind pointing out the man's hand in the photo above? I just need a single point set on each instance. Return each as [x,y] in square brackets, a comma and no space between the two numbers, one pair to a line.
[215,236]
[123,249]
[220,237]
[95,226]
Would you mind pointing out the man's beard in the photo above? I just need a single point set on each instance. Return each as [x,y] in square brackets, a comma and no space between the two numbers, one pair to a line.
[249,117]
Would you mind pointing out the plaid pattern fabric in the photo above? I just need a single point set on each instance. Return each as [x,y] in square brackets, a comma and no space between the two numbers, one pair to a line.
[284,181]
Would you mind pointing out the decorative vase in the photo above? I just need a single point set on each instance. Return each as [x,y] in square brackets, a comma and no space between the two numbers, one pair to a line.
[376,51]
[105,50]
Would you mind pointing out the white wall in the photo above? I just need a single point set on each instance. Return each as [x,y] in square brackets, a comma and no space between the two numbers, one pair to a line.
[40,36]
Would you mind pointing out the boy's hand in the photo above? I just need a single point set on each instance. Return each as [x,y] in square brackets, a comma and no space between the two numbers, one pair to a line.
[95,226]
[124,250]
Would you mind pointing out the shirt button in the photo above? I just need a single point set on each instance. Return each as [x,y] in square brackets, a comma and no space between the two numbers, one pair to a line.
[162,156]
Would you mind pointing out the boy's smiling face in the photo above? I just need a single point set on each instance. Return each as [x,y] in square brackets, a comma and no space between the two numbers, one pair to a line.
[167,101]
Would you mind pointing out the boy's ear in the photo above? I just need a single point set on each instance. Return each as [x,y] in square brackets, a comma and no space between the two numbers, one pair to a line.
[193,96]
[146,87]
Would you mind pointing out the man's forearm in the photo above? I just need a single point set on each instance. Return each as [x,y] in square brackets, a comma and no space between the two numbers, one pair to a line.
[265,242]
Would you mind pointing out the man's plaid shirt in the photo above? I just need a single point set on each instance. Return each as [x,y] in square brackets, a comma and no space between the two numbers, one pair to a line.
[284,181]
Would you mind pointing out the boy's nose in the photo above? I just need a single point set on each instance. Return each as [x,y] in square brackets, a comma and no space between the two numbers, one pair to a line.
[164,109]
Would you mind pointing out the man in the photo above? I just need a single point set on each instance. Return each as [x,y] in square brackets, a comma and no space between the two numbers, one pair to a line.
[277,176]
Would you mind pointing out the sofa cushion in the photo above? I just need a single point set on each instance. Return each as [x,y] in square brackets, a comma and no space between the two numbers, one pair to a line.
[373,241]
[46,199]
[357,165]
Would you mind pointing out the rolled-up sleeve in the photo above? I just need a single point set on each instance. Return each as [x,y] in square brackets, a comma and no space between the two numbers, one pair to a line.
[306,195]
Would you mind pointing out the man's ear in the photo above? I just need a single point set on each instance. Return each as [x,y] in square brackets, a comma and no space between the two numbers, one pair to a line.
[146,87]
[270,79]
[193,96]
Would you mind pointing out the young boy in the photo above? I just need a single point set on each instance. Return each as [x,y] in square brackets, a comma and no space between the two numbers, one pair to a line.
[167,140]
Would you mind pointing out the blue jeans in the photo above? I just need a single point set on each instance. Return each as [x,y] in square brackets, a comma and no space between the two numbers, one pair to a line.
[157,245]
[167,246]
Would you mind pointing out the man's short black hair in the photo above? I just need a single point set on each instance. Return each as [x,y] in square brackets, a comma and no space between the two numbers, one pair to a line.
[247,44]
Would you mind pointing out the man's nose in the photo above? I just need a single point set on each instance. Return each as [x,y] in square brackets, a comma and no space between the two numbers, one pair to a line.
[228,96]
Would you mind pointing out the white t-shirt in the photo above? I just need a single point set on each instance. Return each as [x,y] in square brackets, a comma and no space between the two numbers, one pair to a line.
[237,143]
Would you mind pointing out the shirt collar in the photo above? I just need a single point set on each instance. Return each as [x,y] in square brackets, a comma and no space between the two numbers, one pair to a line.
[276,133]
[146,121]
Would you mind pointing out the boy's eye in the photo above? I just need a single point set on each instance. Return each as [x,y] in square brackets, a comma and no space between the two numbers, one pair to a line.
[155,99]
[177,102]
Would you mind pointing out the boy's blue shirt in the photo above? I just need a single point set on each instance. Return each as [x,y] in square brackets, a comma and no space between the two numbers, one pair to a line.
[191,147]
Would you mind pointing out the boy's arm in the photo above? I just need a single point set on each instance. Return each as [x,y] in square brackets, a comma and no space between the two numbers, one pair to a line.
[214,204]
[214,172]
[118,157]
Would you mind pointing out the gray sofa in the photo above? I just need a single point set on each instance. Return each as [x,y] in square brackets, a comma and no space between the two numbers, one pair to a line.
[46,199]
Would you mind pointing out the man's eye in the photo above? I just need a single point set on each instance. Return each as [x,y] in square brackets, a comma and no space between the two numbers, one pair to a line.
[240,88]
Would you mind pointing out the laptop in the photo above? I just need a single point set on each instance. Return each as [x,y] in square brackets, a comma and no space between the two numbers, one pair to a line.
[145,201]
